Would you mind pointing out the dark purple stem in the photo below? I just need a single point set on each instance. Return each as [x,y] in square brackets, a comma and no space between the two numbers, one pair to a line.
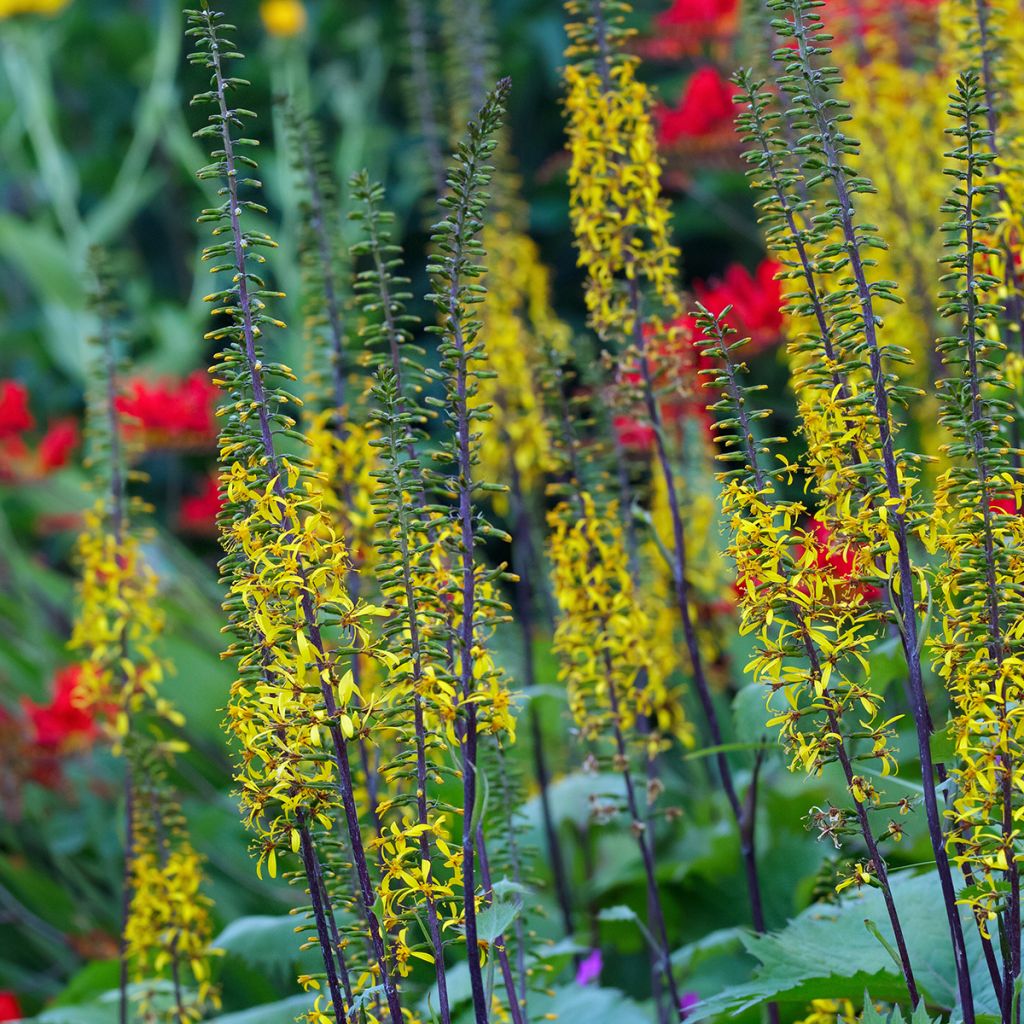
[908,610]
[260,401]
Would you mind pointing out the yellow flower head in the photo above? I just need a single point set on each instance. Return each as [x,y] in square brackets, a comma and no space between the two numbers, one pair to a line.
[50,8]
[283,18]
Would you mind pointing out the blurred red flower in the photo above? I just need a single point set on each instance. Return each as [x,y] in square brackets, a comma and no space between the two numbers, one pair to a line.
[18,460]
[10,1008]
[696,13]
[687,25]
[756,301]
[676,360]
[705,108]
[171,413]
[61,726]
[15,417]
[57,444]
[199,511]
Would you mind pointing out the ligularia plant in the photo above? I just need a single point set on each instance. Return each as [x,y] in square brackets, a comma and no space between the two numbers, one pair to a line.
[583,657]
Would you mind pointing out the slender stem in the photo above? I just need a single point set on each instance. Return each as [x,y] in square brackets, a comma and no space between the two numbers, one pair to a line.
[525,563]
[996,646]
[416,653]
[761,484]
[644,841]
[515,1004]
[356,846]
[126,896]
[681,588]
[908,610]
[424,91]
[320,917]
[318,222]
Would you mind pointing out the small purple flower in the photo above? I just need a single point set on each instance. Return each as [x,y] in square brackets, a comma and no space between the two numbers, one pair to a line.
[688,1003]
[590,968]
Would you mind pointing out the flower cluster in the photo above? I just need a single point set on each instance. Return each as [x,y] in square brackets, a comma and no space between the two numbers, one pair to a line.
[170,413]
[116,634]
[619,218]
[520,326]
[18,460]
[605,639]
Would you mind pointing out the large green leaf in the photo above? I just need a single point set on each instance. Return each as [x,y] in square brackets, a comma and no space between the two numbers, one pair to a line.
[268,942]
[830,951]
[282,1012]
[591,1003]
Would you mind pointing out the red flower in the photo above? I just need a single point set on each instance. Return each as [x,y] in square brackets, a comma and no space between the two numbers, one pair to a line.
[633,433]
[696,13]
[172,414]
[57,444]
[756,301]
[10,1008]
[61,725]
[864,17]
[15,417]
[687,25]
[199,511]
[705,108]
[840,563]
[17,460]
[677,360]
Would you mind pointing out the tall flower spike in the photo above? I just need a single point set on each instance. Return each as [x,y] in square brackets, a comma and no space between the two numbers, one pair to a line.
[454,272]
[423,90]
[813,626]
[166,926]
[292,619]
[619,217]
[855,300]
[605,642]
[419,700]
[980,581]
[334,416]
[621,224]
[320,252]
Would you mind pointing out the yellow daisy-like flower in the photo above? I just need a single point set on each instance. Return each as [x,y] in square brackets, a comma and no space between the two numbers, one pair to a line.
[283,18]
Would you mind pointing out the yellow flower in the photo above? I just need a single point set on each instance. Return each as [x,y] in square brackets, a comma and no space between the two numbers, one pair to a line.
[283,18]
[10,8]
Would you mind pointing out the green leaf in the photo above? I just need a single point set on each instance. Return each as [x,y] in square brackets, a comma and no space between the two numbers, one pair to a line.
[570,797]
[794,970]
[718,943]
[588,1002]
[90,982]
[281,1012]
[620,913]
[264,941]
[493,921]
[749,714]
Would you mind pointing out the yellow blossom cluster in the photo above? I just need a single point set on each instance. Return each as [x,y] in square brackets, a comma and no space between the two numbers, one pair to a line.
[814,629]
[897,104]
[169,920]
[10,8]
[117,627]
[342,450]
[620,219]
[283,18]
[290,587]
[520,326]
[610,653]
[981,659]
[830,1011]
